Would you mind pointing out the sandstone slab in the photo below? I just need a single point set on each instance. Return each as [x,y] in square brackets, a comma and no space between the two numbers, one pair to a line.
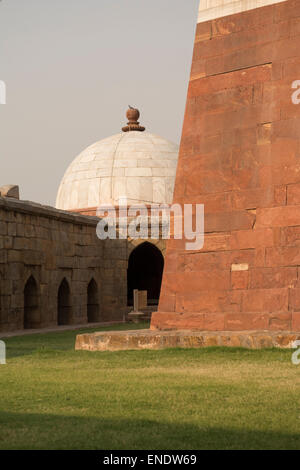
[156,340]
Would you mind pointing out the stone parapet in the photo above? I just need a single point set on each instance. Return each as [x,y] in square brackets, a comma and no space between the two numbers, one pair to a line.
[33,208]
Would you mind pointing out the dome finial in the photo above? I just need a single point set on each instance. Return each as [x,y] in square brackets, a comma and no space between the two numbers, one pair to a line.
[133,115]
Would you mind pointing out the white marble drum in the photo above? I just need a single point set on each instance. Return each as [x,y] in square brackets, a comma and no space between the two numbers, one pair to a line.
[133,164]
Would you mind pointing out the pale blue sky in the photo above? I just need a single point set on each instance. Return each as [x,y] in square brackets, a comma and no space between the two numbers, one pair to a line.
[71,67]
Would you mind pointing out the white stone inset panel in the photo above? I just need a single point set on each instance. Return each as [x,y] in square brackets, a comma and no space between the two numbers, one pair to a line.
[213,9]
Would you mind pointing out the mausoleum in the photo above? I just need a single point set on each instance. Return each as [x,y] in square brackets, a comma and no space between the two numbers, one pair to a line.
[54,270]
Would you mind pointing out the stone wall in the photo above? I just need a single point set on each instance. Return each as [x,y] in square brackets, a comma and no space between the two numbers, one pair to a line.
[240,157]
[50,246]
[42,248]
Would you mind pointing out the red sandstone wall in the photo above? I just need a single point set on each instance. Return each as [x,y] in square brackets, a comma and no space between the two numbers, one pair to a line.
[240,156]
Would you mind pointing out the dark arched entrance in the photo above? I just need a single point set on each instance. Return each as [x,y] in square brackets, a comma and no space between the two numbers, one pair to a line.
[64,308]
[145,269]
[92,302]
[31,304]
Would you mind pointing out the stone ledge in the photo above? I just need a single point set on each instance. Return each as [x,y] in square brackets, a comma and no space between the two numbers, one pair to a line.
[32,208]
[149,339]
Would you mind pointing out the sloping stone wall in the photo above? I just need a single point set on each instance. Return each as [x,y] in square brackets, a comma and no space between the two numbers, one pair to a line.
[240,157]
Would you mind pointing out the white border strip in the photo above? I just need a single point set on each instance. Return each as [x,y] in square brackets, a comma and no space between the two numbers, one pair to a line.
[213,9]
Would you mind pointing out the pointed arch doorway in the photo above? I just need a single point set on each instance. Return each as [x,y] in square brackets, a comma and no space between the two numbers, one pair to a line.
[145,270]
[92,302]
[64,307]
[31,304]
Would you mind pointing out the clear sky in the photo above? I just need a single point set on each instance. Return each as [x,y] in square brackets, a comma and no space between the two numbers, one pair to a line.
[71,67]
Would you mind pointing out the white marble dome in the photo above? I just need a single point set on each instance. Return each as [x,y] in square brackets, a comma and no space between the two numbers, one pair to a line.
[137,165]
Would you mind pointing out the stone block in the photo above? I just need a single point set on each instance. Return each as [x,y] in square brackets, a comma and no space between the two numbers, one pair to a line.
[239,279]
[265,300]
[155,340]
[268,278]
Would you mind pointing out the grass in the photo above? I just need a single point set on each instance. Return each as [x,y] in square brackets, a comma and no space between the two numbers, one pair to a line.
[53,397]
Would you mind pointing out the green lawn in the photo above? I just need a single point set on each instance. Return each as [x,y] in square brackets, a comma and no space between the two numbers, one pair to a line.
[55,398]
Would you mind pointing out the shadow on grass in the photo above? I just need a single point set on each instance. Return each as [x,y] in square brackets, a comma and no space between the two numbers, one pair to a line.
[46,431]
